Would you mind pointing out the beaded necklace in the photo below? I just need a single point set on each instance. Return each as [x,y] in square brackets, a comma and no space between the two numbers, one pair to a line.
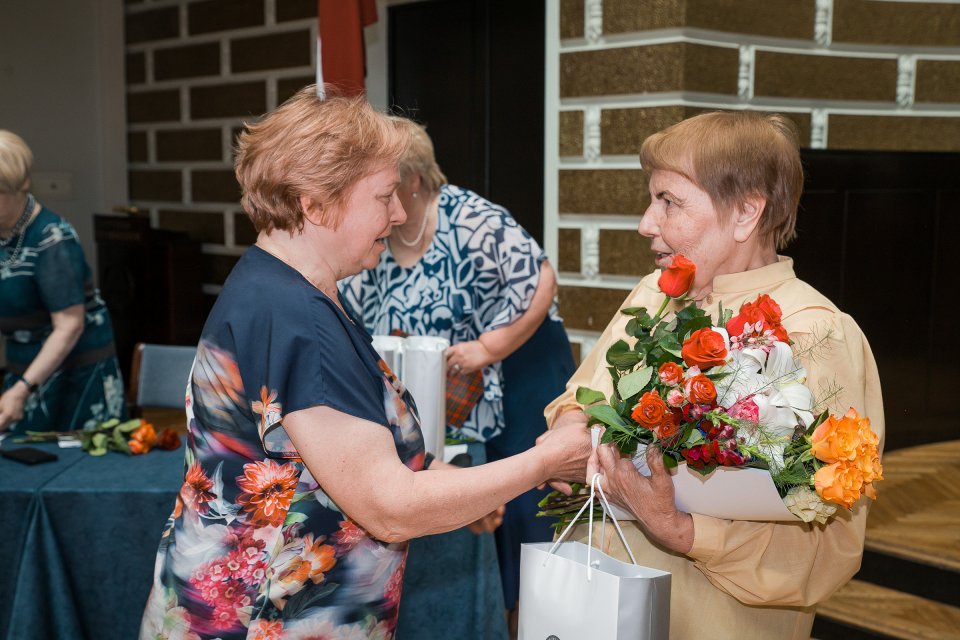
[18,233]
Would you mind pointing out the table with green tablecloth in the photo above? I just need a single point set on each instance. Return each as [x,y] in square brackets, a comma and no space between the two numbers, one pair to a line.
[80,538]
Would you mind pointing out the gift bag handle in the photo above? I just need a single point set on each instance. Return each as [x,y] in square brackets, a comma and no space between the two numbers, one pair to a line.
[594,488]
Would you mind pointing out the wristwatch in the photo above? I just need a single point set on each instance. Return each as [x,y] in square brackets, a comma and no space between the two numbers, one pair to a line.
[31,386]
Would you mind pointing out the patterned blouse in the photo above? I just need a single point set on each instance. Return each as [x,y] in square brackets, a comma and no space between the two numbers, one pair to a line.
[254,547]
[479,274]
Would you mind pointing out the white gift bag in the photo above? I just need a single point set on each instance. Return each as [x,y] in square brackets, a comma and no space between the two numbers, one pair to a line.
[571,591]
[421,363]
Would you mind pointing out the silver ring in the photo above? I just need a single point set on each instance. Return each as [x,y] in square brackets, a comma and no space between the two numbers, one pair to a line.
[456,368]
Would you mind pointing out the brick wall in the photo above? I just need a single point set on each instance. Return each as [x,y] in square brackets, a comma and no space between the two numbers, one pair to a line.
[852,74]
[195,71]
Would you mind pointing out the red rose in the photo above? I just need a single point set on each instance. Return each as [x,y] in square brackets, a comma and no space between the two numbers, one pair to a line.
[168,439]
[764,313]
[700,390]
[676,279]
[670,373]
[669,427]
[704,348]
[650,411]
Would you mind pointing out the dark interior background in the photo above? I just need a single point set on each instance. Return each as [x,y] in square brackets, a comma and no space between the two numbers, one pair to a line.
[877,234]
[472,71]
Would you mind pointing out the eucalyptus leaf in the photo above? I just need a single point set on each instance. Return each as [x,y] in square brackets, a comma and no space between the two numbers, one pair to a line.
[98,451]
[99,440]
[586,395]
[632,383]
[129,425]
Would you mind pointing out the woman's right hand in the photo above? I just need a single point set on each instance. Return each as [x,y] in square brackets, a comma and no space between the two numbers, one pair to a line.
[567,447]
[11,405]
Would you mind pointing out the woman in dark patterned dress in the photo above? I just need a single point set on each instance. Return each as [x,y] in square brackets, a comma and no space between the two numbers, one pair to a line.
[62,370]
[305,470]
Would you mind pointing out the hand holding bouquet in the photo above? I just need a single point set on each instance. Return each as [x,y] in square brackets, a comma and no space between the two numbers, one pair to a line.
[729,392]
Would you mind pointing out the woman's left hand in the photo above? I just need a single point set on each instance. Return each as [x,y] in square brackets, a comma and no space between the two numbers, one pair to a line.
[11,405]
[650,500]
[467,357]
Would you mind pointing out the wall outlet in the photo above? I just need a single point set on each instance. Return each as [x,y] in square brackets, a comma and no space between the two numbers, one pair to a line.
[52,185]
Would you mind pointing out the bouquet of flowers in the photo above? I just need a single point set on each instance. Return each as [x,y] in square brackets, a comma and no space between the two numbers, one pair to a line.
[728,393]
[133,437]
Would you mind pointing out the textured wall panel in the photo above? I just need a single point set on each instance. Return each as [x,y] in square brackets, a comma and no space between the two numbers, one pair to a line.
[275,51]
[788,75]
[895,133]
[775,18]
[137,146]
[571,133]
[156,24]
[625,253]
[569,248]
[189,61]
[221,15]
[899,23]
[203,226]
[617,191]
[938,81]
[153,106]
[215,185]
[186,145]
[589,308]
[229,100]
[155,185]
[571,18]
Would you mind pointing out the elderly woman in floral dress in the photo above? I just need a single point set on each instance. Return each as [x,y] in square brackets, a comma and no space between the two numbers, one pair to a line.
[724,189]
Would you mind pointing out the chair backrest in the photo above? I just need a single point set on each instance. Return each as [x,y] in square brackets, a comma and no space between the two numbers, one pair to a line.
[159,375]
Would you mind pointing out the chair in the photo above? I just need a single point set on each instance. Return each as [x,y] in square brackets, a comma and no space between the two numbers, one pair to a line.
[158,376]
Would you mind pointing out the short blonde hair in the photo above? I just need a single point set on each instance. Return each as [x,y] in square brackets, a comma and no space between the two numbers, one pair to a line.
[419,159]
[732,155]
[16,160]
[315,148]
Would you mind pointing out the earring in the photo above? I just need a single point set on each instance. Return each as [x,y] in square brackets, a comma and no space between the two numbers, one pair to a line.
[414,194]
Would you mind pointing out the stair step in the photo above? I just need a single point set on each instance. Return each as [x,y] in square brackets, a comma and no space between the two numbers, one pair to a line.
[891,613]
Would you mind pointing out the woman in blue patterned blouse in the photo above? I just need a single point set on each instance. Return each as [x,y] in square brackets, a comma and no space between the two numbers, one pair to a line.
[461,268]
[305,471]
[62,370]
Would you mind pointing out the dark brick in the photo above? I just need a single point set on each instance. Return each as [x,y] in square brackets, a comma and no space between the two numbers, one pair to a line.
[571,133]
[933,24]
[214,185]
[228,100]
[275,51]
[894,133]
[137,146]
[155,24]
[625,253]
[938,81]
[189,145]
[653,68]
[287,87]
[136,67]
[575,347]
[589,308]
[214,269]
[775,18]
[616,191]
[243,231]
[190,61]
[789,75]
[203,226]
[153,106]
[296,10]
[155,185]
[220,15]
[569,248]
[571,18]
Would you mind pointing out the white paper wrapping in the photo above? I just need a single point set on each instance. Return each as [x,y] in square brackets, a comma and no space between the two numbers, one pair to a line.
[421,364]
[732,494]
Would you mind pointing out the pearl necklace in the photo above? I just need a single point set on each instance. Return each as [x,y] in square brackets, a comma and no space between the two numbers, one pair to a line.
[416,241]
[18,232]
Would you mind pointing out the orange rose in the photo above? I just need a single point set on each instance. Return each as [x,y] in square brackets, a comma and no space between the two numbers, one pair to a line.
[840,482]
[763,311]
[669,427]
[650,411]
[676,279]
[838,439]
[869,466]
[700,390]
[704,348]
[670,373]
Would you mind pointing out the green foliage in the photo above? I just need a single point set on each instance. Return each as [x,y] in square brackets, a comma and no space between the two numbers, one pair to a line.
[586,395]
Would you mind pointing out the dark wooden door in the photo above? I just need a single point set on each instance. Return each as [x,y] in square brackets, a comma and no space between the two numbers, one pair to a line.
[877,234]
[473,72]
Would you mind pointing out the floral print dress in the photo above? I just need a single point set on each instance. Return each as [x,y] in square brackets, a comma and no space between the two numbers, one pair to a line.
[254,548]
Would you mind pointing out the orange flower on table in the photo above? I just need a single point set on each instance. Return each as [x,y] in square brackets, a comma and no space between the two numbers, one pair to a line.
[704,348]
[168,439]
[701,390]
[650,411]
[677,279]
[142,439]
[839,439]
[840,482]
[670,373]
[268,490]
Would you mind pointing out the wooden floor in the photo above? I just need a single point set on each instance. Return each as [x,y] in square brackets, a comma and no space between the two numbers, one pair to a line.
[916,518]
